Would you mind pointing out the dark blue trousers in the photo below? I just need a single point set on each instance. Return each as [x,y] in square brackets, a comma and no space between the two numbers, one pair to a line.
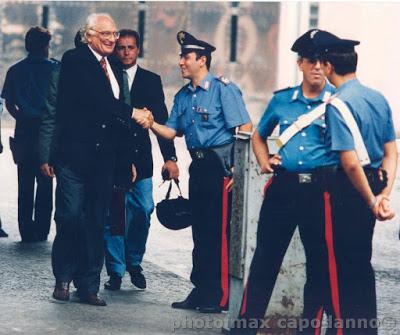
[82,198]
[34,208]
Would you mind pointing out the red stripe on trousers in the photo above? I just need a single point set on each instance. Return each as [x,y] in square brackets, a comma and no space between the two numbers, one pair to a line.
[224,246]
[320,313]
[244,299]
[333,277]
[268,183]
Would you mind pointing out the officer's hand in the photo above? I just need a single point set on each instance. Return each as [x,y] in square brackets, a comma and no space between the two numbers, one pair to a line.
[47,170]
[134,173]
[230,184]
[384,211]
[266,168]
[143,117]
[381,208]
[171,168]
[275,161]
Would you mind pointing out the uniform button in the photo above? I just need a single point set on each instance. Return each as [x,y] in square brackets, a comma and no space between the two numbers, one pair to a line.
[193,108]
[194,95]
[303,134]
[285,122]
[97,144]
[324,125]
[193,121]
[103,126]
[190,134]
[301,148]
[134,134]
[300,162]
[136,150]
[205,110]
[308,107]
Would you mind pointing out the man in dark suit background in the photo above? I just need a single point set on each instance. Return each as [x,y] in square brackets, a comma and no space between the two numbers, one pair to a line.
[141,88]
[24,91]
[2,232]
[89,115]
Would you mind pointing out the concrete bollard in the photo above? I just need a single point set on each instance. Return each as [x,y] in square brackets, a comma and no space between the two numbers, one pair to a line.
[287,298]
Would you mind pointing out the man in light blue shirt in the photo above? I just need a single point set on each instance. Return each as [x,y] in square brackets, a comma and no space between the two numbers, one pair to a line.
[360,194]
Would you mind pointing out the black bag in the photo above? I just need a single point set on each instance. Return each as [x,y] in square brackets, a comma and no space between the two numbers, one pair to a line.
[174,214]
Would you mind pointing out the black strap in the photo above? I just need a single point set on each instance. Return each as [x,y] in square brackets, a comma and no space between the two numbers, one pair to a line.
[170,188]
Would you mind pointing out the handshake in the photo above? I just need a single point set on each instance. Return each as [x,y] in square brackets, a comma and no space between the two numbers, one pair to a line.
[143,117]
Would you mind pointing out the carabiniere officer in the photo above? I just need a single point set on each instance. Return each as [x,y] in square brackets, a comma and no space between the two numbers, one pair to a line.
[294,194]
[207,111]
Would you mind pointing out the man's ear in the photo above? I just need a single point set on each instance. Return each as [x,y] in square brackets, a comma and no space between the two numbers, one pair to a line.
[300,63]
[329,67]
[203,60]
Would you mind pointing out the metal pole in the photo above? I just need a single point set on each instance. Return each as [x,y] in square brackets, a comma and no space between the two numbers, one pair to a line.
[247,197]
[45,17]
[141,26]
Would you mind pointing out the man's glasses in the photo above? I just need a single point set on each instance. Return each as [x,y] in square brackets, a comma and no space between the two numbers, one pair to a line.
[314,60]
[107,34]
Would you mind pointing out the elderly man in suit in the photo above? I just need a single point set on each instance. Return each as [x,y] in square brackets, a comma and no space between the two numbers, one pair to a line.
[89,115]
[141,88]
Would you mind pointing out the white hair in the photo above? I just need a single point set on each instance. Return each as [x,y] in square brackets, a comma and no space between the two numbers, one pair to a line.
[91,22]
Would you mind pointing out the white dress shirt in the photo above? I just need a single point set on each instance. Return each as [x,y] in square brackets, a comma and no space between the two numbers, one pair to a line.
[113,80]
[131,72]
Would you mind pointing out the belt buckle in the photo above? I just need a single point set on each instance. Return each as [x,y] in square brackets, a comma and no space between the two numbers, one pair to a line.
[305,178]
[199,154]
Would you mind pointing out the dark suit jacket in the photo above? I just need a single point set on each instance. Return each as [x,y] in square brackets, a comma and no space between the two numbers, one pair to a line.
[147,91]
[88,115]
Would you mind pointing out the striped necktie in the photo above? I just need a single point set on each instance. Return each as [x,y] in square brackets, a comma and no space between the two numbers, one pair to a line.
[125,89]
[103,64]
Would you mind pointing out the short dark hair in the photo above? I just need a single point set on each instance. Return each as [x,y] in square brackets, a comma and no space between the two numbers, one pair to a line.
[37,39]
[78,39]
[343,63]
[205,54]
[130,33]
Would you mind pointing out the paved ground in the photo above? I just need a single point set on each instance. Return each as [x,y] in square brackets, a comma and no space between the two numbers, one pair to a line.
[26,280]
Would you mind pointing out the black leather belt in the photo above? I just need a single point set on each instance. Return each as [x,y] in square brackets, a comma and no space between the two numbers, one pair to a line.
[199,153]
[315,176]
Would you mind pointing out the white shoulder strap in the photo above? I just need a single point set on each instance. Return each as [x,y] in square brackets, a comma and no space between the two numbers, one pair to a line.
[302,122]
[348,117]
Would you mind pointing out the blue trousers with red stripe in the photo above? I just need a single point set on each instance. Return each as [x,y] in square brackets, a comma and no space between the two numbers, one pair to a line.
[210,234]
[287,204]
[353,293]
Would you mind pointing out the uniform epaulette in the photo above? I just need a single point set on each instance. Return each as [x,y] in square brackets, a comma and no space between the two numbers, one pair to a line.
[282,89]
[224,80]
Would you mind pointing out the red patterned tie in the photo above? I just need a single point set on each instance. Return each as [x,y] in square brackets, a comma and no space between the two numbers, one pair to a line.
[103,64]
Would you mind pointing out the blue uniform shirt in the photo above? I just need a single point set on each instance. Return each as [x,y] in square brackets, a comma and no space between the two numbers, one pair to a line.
[208,114]
[372,114]
[306,150]
[27,83]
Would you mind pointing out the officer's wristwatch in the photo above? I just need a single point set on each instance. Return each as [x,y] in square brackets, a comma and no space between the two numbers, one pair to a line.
[173,158]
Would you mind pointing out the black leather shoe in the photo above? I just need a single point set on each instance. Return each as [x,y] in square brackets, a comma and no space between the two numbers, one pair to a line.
[92,299]
[3,233]
[114,283]
[191,302]
[210,308]
[61,291]
[137,277]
